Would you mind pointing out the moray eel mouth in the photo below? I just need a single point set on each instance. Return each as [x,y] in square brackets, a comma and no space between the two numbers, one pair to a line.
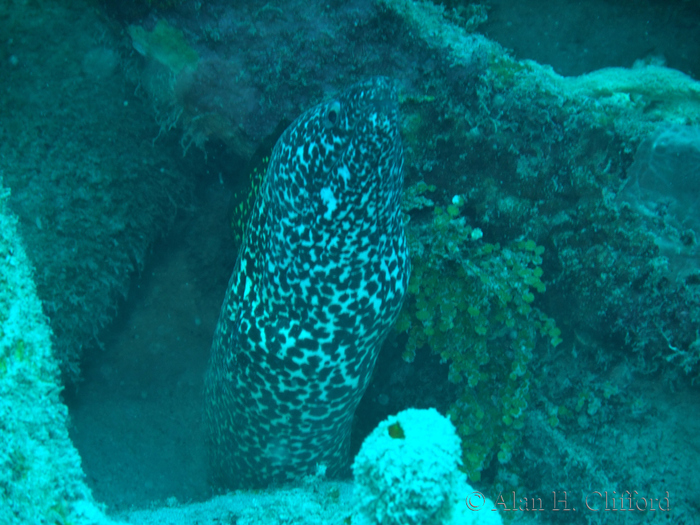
[319,281]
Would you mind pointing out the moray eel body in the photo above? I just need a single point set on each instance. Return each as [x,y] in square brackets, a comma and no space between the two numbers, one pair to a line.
[319,281]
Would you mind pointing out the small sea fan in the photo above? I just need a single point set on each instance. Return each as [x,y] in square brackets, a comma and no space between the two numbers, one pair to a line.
[665,176]
[664,188]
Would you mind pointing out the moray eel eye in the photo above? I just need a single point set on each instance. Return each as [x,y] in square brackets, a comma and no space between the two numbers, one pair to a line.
[332,114]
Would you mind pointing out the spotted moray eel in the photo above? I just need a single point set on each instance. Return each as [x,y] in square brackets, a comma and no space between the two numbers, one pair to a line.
[319,281]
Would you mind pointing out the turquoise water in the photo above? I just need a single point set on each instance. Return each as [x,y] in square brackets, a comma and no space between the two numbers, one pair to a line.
[553,310]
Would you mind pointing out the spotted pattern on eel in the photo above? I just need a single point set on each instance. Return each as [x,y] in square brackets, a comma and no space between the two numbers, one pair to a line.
[319,281]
